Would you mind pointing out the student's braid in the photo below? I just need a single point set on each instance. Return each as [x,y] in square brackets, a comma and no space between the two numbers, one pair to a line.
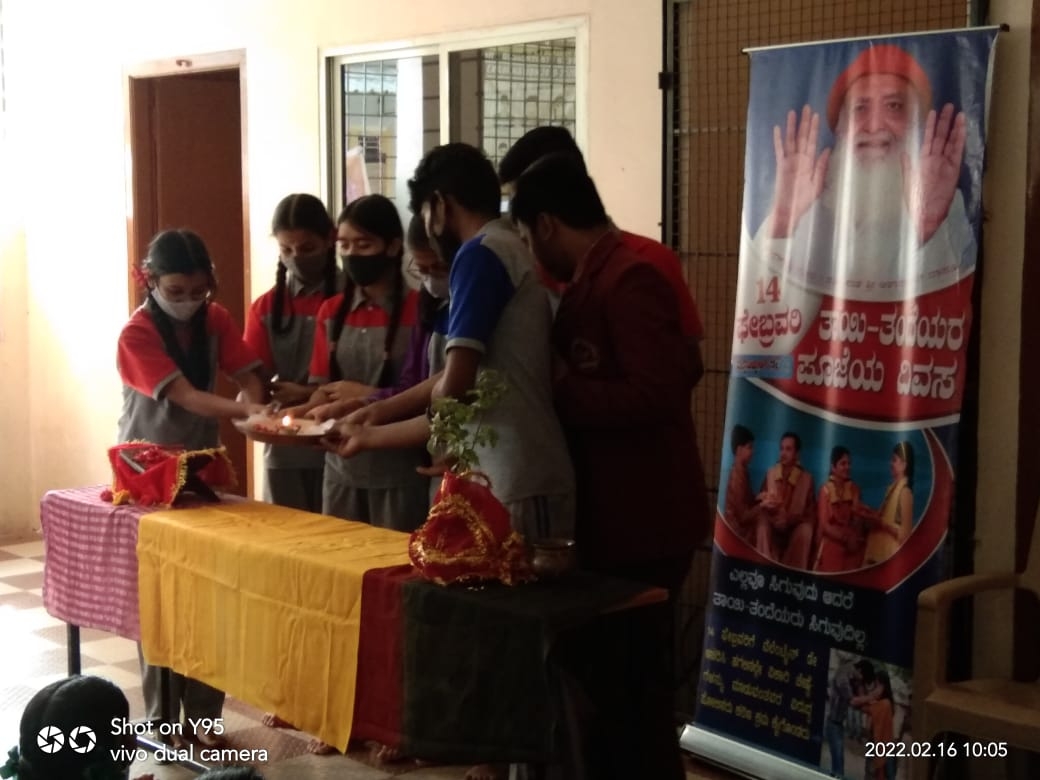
[338,321]
[277,325]
[378,216]
[299,211]
[386,373]
[330,275]
[198,358]
[175,251]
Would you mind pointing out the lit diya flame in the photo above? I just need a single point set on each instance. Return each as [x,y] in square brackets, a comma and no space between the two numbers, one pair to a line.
[287,421]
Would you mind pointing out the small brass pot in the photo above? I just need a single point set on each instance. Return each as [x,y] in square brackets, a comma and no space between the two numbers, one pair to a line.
[552,558]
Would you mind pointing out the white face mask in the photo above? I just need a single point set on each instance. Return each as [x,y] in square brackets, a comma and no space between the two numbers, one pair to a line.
[182,311]
[437,286]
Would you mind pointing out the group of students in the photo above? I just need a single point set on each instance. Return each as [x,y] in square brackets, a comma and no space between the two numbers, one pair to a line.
[593,330]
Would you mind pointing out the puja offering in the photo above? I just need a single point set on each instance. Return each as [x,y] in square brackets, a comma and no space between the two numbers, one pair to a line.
[150,474]
[284,430]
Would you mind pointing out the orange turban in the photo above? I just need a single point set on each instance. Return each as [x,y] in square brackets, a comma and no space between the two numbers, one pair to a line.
[882,58]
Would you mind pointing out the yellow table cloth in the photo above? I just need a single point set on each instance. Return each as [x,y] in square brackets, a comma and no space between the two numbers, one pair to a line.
[262,602]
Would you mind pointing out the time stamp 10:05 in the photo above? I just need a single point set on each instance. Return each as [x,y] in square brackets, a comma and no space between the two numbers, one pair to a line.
[950,749]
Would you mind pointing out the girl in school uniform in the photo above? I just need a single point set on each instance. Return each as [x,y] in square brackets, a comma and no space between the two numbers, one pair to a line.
[280,327]
[168,357]
[425,355]
[362,338]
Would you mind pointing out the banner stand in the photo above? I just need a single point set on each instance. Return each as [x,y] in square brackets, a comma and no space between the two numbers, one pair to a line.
[735,756]
[859,243]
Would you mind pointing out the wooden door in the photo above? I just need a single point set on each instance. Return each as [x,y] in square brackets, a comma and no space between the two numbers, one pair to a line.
[186,141]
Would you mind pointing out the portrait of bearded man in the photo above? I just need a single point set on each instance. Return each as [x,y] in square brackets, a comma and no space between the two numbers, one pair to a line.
[879,216]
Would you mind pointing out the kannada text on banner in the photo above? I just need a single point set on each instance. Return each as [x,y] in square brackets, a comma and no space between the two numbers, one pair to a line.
[861,225]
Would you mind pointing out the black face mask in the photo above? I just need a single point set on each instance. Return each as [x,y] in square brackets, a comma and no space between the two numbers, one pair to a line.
[446,246]
[309,269]
[369,269]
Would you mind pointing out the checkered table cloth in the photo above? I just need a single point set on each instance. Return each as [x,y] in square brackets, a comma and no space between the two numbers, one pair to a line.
[90,562]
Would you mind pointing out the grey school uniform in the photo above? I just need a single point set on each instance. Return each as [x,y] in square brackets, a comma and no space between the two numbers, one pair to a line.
[294,475]
[147,370]
[530,467]
[380,487]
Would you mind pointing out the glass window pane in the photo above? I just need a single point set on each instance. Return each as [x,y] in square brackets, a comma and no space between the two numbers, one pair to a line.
[382,126]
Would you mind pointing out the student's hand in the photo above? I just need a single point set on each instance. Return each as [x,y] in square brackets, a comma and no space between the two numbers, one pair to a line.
[291,411]
[289,393]
[252,409]
[346,439]
[335,409]
[371,414]
[438,468]
[345,390]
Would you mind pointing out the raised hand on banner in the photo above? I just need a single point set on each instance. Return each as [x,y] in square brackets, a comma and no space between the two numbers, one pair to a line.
[930,180]
[800,172]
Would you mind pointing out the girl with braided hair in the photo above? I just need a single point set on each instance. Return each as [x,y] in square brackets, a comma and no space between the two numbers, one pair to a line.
[280,327]
[168,356]
[360,347]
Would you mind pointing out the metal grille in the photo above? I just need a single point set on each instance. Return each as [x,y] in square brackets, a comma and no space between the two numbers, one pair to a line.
[519,87]
[370,120]
[525,86]
[704,184]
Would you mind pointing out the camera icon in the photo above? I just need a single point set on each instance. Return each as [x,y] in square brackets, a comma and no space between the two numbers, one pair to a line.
[51,739]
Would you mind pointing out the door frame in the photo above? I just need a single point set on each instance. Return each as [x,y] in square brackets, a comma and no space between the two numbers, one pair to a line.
[232,60]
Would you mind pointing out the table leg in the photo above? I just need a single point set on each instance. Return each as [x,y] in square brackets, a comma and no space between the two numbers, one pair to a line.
[165,705]
[154,746]
[72,643]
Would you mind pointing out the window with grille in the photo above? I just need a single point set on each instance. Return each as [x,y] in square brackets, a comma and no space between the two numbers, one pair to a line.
[504,91]
[385,111]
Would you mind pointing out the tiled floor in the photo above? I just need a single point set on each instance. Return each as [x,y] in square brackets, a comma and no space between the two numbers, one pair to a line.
[33,654]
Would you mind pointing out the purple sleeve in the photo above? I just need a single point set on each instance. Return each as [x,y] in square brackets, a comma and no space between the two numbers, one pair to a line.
[415,368]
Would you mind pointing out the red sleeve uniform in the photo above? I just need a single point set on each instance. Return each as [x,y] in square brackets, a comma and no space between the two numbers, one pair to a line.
[147,369]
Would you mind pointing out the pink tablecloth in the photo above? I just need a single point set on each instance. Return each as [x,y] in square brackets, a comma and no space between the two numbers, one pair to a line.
[90,563]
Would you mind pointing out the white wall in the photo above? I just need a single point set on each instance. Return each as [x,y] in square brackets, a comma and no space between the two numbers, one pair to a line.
[64,63]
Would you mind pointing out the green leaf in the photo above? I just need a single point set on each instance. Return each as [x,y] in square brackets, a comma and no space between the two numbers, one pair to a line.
[455,429]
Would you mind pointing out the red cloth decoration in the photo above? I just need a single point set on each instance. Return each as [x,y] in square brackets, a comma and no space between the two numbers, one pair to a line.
[152,475]
[467,537]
